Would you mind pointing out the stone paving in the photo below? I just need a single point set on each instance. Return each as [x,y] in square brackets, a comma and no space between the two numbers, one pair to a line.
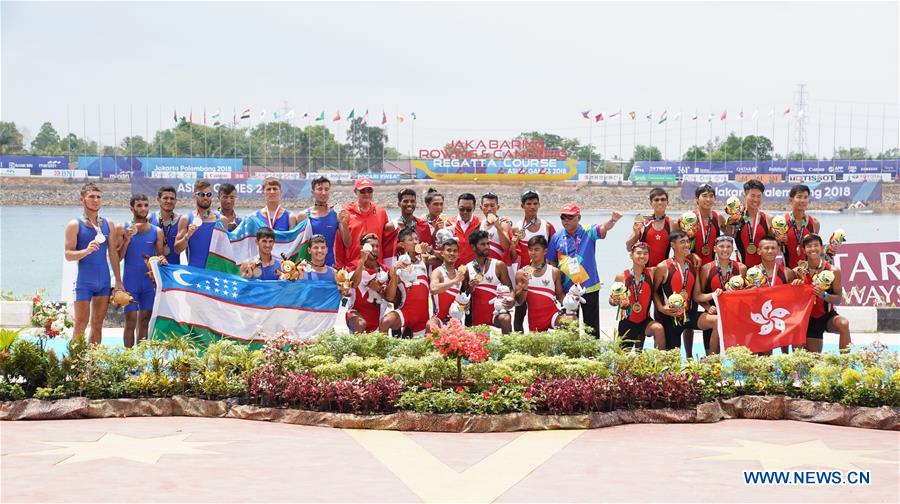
[182,459]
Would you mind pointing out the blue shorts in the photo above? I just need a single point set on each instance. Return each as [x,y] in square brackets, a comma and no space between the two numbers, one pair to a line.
[143,293]
[87,292]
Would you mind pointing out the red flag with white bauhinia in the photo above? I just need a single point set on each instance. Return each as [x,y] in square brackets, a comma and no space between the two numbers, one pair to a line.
[765,318]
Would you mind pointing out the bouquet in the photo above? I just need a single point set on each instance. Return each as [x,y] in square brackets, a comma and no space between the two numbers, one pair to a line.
[755,277]
[51,318]
[734,283]
[837,238]
[823,279]
[734,209]
[688,222]
[779,226]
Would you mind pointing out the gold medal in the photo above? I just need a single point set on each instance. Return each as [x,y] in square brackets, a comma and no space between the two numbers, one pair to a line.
[705,250]
[520,234]
[636,307]
[257,272]
[461,269]
[166,249]
[419,248]
[751,249]
[479,278]
[528,270]
[685,296]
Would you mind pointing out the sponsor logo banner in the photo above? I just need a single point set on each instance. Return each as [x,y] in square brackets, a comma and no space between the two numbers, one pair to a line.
[34,164]
[105,166]
[733,168]
[334,176]
[870,273]
[278,175]
[15,172]
[250,189]
[765,178]
[709,177]
[388,176]
[825,192]
[499,169]
[64,173]
[653,177]
[600,177]
[812,177]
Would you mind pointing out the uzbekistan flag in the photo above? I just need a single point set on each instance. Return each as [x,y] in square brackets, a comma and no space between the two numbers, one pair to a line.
[227,250]
[764,318]
[210,305]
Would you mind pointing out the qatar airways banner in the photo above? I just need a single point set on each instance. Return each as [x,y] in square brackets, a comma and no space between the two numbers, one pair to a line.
[247,189]
[824,192]
[775,167]
[494,170]
[870,273]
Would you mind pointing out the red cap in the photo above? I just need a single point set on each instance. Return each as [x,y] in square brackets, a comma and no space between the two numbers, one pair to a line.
[570,209]
[363,182]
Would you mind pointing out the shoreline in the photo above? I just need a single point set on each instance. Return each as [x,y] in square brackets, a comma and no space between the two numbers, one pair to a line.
[592,197]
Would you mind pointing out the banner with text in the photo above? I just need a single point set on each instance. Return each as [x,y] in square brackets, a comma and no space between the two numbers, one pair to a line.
[870,273]
[775,167]
[824,192]
[545,170]
[249,189]
[109,166]
[34,164]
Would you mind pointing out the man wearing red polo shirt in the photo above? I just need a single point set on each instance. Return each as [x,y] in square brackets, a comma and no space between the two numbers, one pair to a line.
[358,218]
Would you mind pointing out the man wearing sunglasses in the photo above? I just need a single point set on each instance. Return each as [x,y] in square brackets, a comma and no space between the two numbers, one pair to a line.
[573,249]
[531,226]
[195,229]
[358,218]
[463,225]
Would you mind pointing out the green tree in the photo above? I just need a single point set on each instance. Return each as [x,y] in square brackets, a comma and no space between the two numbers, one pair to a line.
[851,153]
[10,139]
[889,154]
[646,153]
[47,141]
[695,153]
[366,144]
[757,147]
[74,146]
[135,146]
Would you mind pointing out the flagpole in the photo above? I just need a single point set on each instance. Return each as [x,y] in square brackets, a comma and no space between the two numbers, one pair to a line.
[619,117]
[680,136]
[741,159]
[819,138]
[883,115]
[191,129]
[725,135]
[249,139]
[756,130]
[666,139]
[412,126]
[605,143]
[590,143]
[867,136]
[205,146]
[850,136]
[115,141]
[100,139]
[710,142]
[834,150]
[650,137]
[787,156]
[634,137]
[84,125]
[696,133]
[131,132]
[773,133]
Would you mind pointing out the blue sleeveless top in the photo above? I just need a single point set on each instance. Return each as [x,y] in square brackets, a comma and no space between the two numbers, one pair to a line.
[171,232]
[326,226]
[198,244]
[93,269]
[268,272]
[141,244]
[282,223]
[328,276]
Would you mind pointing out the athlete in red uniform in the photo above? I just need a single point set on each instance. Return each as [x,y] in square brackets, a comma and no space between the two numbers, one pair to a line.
[653,230]
[709,226]
[636,322]
[676,275]
[775,273]
[463,226]
[531,226]
[753,226]
[434,203]
[713,278]
[366,307]
[483,275]
[406,200]
[498,229]
[445,283]
[540,285]
[411,296]
[823,317]
[799,225]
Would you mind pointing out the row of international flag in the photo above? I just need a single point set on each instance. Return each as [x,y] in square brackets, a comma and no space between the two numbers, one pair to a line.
[246,114]
[587,114]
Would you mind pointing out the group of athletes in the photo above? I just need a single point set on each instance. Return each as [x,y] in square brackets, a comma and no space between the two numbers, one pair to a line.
[412,274]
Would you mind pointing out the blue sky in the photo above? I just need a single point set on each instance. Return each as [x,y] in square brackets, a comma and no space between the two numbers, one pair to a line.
[467,70]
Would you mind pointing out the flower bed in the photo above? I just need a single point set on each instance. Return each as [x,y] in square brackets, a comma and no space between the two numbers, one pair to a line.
[548,375]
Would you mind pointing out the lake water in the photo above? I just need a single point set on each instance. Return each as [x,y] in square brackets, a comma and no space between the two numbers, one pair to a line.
[31,241]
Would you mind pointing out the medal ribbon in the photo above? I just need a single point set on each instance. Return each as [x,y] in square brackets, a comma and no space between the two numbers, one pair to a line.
[269,219]
[723,279]
[798,232]
[705,234]
[769,281]
[751,231]
[636,287]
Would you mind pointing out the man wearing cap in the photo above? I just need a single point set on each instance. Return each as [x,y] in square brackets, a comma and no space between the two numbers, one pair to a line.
[531,226]
[359,218]
[573,249]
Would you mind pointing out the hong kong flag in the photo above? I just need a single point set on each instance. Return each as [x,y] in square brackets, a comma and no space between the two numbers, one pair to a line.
[765,318]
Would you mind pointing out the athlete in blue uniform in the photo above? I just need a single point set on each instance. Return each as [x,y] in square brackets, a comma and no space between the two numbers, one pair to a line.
[318,250]
[263,266]
[140,240]
[195,229]
[167,220]
[322,216]
[273,215]
[92,241]
[227,196]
